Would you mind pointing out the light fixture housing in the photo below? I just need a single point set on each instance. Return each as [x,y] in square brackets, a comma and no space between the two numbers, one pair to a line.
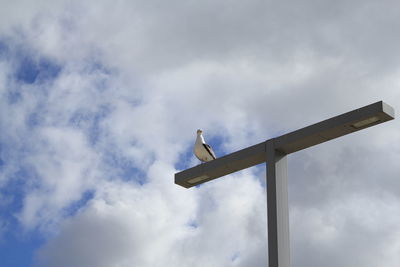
[320,132]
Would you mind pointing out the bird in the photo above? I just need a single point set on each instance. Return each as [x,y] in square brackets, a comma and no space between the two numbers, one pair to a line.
[202,150]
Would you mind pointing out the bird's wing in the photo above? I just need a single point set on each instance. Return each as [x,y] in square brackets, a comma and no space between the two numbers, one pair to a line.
[209,149]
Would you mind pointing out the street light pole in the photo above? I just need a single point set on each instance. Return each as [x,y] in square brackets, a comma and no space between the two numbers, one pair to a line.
[277,207]
[274,152]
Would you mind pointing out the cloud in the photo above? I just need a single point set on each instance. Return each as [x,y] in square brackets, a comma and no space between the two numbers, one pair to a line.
[100,103]
[348,225]
[159,223]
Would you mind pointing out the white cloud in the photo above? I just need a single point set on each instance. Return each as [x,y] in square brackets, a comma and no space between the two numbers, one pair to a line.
[65,168]
[352,225]
[160,223]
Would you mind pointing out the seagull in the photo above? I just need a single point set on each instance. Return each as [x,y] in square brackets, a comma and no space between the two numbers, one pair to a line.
[203,151]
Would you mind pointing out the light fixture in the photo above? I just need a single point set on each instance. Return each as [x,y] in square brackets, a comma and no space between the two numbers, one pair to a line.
[198,179]
[353,121]
[366,122]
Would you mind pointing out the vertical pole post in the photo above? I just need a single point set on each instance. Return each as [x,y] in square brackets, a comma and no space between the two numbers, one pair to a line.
[278,207]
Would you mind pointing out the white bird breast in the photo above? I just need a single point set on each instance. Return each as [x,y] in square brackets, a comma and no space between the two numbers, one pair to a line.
[201,153]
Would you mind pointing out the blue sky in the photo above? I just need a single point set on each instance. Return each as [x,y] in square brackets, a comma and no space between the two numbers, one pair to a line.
[99,107]
[17,245]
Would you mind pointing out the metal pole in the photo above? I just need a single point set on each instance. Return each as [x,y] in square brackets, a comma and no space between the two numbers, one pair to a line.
[278,208]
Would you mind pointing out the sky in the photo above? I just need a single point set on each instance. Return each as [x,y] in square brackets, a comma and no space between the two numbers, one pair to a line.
[99,106]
